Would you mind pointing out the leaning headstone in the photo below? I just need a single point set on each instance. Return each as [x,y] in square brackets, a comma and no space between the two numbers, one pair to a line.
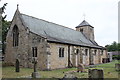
[80,68]
[117,66]
[96,73]
[17,66]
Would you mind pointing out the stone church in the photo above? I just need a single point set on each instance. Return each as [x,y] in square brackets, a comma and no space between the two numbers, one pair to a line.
[54,46]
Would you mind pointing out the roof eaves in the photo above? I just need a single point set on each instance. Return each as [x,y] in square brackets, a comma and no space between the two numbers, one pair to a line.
[84,26]
[55,40]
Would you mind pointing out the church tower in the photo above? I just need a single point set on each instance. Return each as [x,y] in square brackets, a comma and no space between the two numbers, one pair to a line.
[86,29]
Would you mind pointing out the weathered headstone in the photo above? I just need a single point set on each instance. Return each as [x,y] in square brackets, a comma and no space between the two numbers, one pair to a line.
[17,66]
[96,73]
[117,66]
[69,76]
[80,68]
[35,75]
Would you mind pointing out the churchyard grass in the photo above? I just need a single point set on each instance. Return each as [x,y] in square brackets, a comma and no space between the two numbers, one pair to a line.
[109,69]
[109,72]
[9,72]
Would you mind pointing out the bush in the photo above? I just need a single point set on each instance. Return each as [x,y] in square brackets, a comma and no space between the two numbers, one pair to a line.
[116,57]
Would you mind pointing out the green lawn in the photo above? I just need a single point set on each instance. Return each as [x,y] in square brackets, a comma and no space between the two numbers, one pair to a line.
[109,72]
[109,69]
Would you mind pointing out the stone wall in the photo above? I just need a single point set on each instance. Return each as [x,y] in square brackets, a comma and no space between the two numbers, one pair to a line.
[85,57]
[75,58]
[88,31]
[41,44]
[55,60]
[80,57]
[23,51]
[96,56]
[17,52]
[103,54]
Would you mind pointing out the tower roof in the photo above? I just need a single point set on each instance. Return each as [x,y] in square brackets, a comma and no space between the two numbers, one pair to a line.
[84,23]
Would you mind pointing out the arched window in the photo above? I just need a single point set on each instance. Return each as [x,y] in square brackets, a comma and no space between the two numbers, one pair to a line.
[77,51]
[15,36]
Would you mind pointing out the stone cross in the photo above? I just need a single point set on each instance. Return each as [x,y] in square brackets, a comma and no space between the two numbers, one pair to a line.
[35,74]
[35,64]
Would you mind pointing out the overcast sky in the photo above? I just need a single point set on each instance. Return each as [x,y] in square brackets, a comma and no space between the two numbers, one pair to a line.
[101,14]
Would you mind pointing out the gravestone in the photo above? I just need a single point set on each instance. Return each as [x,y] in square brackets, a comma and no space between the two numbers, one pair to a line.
[96,73]
[17,67]
[35,75]
[80,68]
[117,66]
[69,76]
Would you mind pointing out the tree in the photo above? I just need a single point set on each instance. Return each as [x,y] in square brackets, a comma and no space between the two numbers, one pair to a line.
[113,47]
[5,28]
[118,46]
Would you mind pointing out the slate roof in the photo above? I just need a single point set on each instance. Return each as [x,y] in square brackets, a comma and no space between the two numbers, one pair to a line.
[83,23]
[56,33]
